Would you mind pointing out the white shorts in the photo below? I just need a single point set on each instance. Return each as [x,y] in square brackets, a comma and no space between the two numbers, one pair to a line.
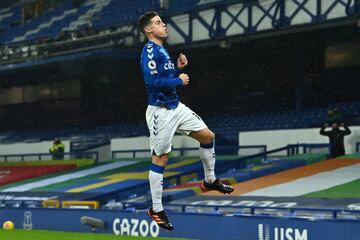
[163,123]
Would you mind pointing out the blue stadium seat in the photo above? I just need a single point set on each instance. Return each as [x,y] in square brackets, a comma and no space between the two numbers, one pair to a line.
[104,13]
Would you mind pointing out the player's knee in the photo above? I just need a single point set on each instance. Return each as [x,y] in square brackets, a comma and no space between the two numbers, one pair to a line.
[212,136]
[209,138]
[160,160]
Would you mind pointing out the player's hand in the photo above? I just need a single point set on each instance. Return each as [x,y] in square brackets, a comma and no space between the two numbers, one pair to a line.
[185,78]
[182,61]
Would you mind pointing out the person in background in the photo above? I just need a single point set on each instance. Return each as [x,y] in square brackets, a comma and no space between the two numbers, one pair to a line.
[336,137]
[57,150]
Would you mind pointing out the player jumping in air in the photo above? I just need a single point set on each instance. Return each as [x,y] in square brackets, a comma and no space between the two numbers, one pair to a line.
[166,115]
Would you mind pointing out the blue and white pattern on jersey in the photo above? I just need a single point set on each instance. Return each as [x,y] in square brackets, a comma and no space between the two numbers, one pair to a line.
[160,76]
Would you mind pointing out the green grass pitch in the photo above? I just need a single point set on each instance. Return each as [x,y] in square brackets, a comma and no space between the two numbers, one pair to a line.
[54,235]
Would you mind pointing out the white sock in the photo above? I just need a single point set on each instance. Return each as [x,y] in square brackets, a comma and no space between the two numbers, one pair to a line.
[156,187]
[207,156]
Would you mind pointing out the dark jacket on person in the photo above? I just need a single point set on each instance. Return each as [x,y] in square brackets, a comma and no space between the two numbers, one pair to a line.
[336,137]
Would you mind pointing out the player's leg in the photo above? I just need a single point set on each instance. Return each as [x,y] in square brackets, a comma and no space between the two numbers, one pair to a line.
[161,134]
[156,212]
[207,152]
[156,180]
[192,125]
[206,139]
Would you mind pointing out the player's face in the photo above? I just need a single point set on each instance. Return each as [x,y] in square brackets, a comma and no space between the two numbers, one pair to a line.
[158,28]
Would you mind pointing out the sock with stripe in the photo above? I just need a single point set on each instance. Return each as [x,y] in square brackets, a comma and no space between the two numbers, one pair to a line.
[207,156]
[156,186]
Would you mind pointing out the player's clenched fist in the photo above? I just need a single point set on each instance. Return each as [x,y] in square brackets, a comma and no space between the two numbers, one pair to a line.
[185,78]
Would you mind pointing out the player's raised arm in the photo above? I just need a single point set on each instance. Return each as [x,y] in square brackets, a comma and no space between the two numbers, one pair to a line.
[150,67]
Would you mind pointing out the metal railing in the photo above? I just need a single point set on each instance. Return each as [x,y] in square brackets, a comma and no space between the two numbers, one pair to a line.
[220,150]
[261,150]
[47,156]
[307,147]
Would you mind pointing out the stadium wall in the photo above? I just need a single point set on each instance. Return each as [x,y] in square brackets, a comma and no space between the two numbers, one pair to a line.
[103,151]
[271,138]
[279,138]
[142,143]
[26,148]
[187,225]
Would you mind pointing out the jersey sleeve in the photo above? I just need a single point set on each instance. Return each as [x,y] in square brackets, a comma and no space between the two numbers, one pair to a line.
[151,63]
[177,71]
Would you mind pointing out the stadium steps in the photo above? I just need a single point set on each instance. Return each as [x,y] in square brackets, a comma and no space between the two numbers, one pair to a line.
[129,180]
[44,25]
[301,180]
[17,33]
[12,174]
[85,18]
[5,15]
[4,10]
[192,185]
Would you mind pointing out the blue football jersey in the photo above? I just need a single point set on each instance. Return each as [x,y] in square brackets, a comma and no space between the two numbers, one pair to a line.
[160,76]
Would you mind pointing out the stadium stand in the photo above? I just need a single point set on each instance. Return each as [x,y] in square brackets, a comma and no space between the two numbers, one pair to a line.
[244,93]
[226,127]
[125,179]
[10,17]
[91,13]
[19,173]
[121,11]
[65,17]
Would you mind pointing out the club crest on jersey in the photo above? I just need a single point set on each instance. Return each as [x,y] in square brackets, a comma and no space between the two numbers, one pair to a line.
[152,65]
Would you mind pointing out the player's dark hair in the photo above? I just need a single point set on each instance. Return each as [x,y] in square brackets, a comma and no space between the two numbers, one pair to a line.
[144,20]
